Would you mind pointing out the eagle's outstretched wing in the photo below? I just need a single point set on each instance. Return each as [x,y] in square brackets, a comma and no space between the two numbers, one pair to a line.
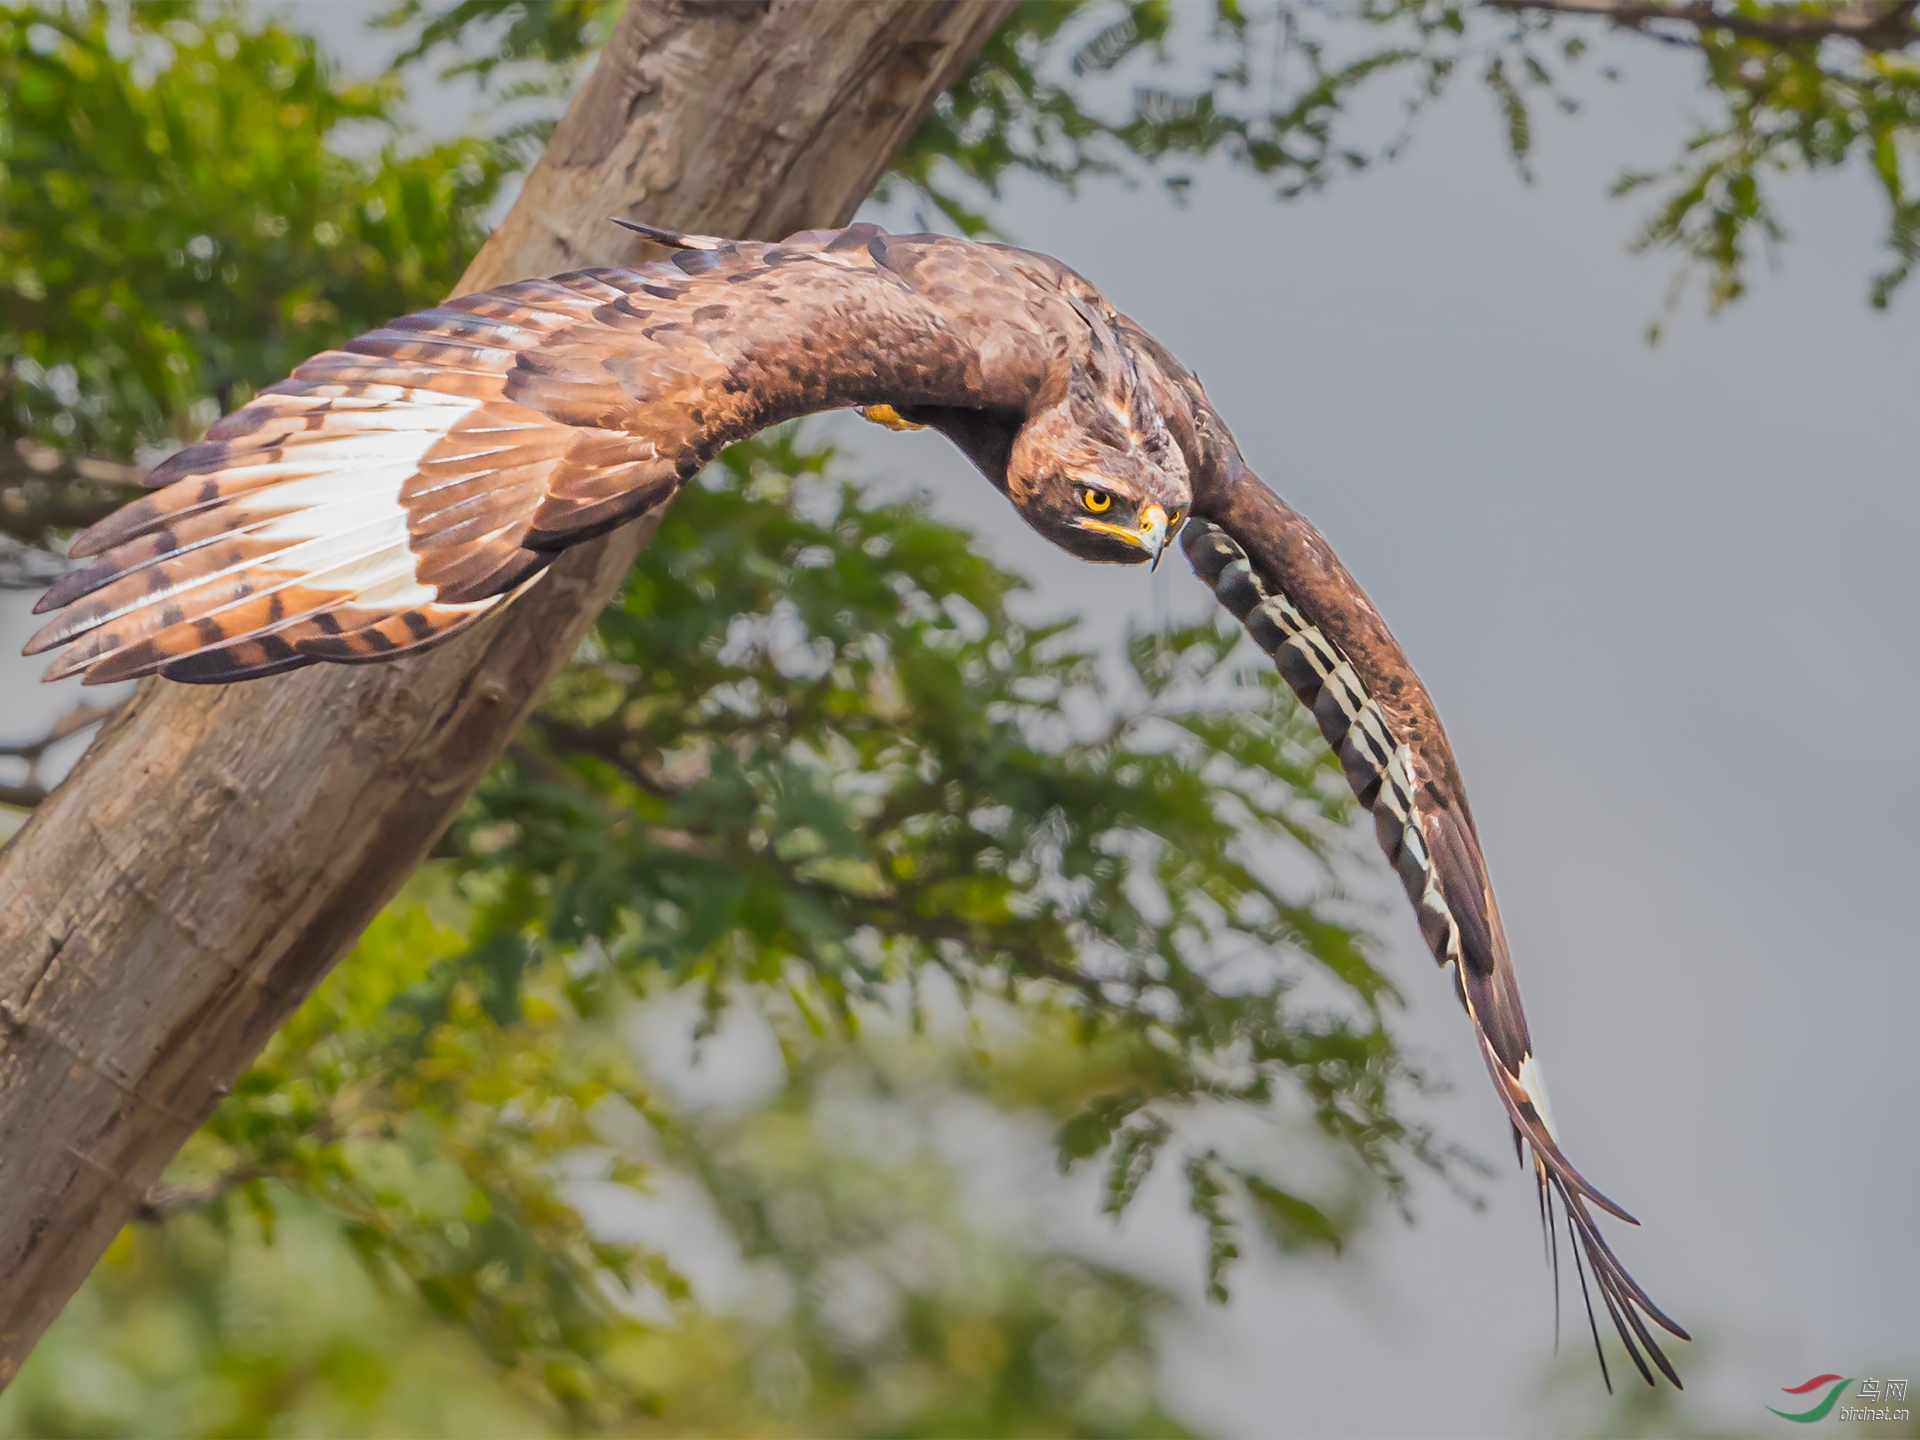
[388,494]
[1276,574]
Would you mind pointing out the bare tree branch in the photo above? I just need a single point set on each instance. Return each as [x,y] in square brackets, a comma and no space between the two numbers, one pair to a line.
[164,1200]
[75,720]
[29,792]
[1870,24]
[43,490]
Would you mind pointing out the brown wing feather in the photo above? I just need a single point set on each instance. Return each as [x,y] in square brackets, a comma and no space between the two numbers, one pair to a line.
[388,493]
[1276,573]
[1388,749]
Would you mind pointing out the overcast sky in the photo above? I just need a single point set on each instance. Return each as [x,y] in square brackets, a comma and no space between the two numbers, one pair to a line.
[1664,598]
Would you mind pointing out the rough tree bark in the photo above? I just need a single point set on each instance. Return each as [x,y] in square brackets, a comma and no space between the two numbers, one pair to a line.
[218,849]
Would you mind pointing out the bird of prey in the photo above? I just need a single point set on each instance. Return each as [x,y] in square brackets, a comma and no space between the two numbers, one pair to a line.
[391,493]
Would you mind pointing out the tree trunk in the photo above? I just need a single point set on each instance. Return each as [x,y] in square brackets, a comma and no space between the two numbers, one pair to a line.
[219,848]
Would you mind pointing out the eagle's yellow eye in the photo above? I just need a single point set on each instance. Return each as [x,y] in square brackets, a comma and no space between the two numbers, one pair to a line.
[1098,501]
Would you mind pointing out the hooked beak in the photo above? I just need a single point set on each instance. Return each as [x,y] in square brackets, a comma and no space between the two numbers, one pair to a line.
[1154,534]
[1151,535]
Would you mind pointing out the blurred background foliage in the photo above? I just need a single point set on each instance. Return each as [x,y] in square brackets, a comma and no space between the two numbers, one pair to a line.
[399,1251]
[1301,92]
[809,763]
[183,218]
[809,767]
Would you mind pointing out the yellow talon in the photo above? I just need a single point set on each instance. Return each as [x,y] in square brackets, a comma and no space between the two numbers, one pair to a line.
[888,416]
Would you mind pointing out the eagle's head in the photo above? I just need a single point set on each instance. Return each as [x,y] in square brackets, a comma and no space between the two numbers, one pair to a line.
[1088,460]
[1094,468]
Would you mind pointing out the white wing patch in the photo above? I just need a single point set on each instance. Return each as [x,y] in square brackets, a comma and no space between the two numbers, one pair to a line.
[308,500]
[1535,1084]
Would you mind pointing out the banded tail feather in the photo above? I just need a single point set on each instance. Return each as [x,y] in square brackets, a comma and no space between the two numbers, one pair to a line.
[1432,848]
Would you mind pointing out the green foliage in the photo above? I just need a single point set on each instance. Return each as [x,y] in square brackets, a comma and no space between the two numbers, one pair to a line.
[1801,87]
[1044,98]
[1790,105]
[1291,92]
[382,1240]
[809,762]
[427,1126]
[191,203]
[812,749]
[204,1327]
[514,50]
[903,1319]
[178,227]
[554,35]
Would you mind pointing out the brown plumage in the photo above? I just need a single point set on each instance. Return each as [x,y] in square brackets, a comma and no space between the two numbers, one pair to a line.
[387,494]
[390,494]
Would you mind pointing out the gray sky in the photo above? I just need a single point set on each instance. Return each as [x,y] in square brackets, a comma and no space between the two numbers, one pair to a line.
[1663,598]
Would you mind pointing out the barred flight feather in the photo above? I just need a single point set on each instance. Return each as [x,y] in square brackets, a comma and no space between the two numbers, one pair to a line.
[390,492]
[1437,859]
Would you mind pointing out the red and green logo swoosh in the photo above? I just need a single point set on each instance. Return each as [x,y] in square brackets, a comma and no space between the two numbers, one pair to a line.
[1818,1412]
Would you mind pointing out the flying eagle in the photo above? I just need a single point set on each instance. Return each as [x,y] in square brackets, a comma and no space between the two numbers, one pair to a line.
[391,493]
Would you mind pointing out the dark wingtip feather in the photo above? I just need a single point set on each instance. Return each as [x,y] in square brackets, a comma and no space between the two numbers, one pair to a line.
[1599,1351]
[128,522]
[1446,879]
[1576,1182]
[78,583]
[1624,1300]
[672,239]
[1622,1296]
[217,667]
[1553,1237]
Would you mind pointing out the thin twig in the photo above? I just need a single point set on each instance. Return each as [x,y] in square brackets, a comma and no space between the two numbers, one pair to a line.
[1870,24]
[164,1200]
[43,490]
[30,792]
[75,720]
